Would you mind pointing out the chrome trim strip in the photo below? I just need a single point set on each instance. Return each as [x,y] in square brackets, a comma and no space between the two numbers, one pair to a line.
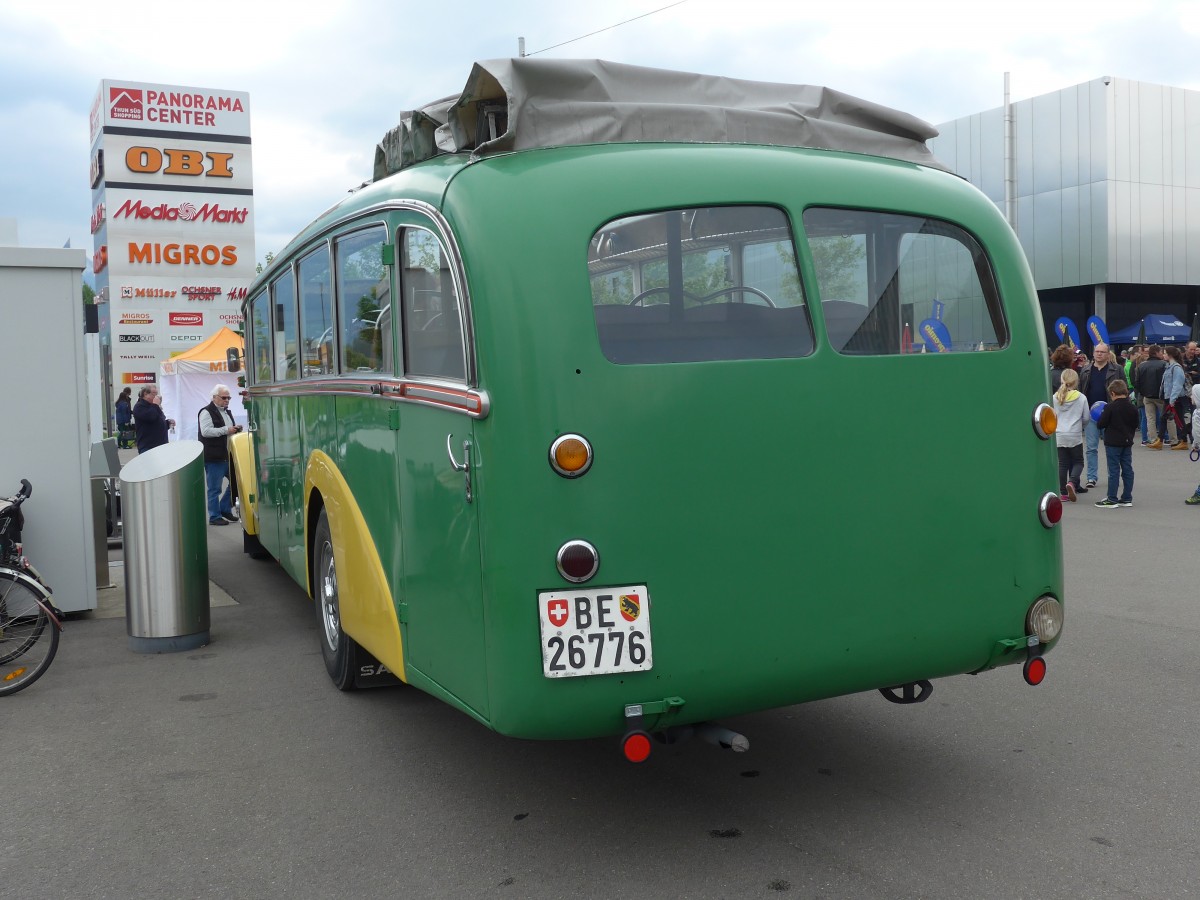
[474,402]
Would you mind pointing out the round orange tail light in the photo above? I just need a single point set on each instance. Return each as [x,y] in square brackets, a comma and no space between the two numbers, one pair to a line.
[571,455]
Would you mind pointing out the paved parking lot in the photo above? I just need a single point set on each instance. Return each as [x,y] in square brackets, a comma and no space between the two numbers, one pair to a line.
[236,770]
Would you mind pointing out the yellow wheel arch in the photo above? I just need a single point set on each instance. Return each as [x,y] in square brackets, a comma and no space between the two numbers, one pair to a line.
[241,457]
[368,612]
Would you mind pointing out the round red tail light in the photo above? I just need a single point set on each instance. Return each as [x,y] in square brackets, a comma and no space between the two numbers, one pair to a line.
[1050,509]
[577,561]
[636,746]
[1035,670]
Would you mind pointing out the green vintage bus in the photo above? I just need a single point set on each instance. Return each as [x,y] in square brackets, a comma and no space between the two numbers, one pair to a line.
[624,400]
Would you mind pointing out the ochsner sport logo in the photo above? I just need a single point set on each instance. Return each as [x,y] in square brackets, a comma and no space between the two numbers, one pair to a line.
[186,319]
[183,212]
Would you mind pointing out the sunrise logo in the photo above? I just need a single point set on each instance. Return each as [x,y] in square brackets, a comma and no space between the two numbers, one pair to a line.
[125,103]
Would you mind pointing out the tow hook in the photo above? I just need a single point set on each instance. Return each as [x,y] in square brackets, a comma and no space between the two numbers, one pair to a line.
[913,692]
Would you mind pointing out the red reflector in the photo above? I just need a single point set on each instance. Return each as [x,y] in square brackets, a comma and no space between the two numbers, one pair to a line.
[636,746]
[1050,510]
[1035,670]
[577,561]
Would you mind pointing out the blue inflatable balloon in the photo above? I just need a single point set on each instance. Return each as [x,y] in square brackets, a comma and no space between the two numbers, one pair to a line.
[1097,409]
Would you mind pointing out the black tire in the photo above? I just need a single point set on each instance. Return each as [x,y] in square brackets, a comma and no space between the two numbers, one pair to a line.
[337,649]
[28,638]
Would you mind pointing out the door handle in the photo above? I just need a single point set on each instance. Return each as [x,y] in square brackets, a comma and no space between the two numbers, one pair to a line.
[464,466]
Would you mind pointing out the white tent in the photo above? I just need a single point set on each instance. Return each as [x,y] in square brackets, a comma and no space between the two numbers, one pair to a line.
[187,381]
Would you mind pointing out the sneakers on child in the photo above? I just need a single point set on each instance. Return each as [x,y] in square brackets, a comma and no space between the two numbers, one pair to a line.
[1106,503]
[1070,494]
[1128,502]
[1193,500]
[1091,482]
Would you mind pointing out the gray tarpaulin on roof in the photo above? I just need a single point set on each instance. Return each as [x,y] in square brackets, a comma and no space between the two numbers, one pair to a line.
[521,104]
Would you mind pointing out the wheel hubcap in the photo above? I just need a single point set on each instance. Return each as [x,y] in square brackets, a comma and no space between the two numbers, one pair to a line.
[329,597]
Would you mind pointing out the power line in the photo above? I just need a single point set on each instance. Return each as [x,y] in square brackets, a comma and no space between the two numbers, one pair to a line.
[609,28]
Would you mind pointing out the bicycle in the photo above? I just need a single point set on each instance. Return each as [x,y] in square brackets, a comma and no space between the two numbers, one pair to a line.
[29,623]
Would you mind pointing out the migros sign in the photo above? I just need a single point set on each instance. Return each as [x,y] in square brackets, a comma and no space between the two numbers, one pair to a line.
[153,253]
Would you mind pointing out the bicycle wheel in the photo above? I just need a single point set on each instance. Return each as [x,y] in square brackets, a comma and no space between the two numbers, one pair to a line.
[28,639]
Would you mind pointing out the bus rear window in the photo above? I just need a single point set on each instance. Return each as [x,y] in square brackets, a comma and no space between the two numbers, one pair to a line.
[690,285]
[894,284]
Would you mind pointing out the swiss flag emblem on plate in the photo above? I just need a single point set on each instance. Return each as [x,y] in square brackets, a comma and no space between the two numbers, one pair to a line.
[557,612]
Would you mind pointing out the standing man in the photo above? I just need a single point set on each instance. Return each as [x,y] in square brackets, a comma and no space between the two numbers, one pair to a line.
[1148,380]
[1093,384]
[150,423]
[215,425]
[1191,362]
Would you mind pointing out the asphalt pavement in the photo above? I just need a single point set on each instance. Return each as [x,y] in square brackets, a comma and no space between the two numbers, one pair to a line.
[236,770]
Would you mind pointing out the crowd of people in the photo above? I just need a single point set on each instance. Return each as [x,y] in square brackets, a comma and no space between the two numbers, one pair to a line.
[1148,391]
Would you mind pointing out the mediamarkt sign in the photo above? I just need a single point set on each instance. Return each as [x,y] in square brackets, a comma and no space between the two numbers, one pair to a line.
[182,212]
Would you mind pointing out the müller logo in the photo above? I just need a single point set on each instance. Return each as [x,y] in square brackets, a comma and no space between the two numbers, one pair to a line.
[184,212]
[187,319]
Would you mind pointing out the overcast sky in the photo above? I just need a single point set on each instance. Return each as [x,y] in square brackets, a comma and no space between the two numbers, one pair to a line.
[327,80]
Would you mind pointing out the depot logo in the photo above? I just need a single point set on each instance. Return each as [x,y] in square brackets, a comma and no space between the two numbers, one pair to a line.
[178,161]
[183,254]
[183,212]
[136,318]
[169,107]
[185,338]
[186,319]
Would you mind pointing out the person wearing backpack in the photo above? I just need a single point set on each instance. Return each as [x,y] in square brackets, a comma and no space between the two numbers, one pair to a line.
[1148,377]
[1175,394]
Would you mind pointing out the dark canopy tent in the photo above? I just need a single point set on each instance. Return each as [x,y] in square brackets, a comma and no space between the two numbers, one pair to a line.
[1160,329]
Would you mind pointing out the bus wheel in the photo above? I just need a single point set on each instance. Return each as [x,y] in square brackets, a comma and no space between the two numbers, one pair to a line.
[337,649]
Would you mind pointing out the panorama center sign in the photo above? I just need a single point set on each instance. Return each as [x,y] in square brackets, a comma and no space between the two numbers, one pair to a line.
[171,173]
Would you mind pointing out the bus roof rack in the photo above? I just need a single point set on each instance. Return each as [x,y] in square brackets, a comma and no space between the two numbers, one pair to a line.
[523,103]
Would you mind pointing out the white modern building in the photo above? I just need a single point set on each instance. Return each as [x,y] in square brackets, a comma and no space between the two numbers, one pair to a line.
[1101,182]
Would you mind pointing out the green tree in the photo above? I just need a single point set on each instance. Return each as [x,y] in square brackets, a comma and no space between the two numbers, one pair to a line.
[839,261]
[270,258]
[89,296]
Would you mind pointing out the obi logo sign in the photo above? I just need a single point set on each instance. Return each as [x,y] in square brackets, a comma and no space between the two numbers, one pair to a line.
[185,319]
[178,161]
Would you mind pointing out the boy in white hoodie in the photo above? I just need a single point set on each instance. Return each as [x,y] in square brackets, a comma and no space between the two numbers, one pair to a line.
[1071,407]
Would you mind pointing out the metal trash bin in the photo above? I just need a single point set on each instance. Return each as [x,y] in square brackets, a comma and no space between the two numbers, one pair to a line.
[165,526]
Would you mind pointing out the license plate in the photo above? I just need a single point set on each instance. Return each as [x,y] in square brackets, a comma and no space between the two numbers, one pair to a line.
[596,631]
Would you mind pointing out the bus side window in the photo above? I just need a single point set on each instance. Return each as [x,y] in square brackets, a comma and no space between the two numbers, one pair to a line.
[283,297]
[260,339]
[364,299]
[316,314]
[433,343]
